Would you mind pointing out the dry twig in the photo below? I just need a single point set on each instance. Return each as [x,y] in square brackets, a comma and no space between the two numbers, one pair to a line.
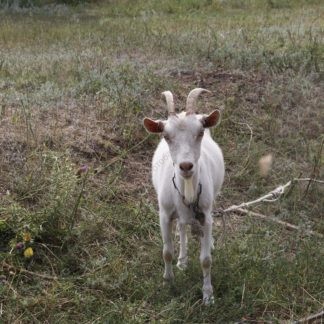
[7,266]
[272,196]
[314,318]
[278,221]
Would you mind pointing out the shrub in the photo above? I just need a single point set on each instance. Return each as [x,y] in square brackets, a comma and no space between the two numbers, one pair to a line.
[50,213]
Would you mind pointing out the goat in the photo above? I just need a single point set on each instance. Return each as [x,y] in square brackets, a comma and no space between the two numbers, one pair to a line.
[187,173]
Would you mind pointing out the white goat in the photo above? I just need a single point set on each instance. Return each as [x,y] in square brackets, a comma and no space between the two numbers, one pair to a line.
[187,173]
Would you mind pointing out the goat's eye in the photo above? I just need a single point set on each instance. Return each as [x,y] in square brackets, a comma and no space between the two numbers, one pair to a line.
[167,138]
[200,134]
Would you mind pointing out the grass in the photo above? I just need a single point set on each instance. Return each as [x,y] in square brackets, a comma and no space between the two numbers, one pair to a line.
[75,160]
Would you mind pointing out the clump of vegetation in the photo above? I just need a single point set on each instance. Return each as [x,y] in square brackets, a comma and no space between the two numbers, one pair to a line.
[43,204]
[36,3]
[79,232]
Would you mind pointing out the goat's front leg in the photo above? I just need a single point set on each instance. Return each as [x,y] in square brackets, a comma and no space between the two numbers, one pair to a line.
[206,260]
[166,231]
[183,257]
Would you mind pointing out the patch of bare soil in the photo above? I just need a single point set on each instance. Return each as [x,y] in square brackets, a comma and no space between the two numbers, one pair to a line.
[92,135]
[223,83]
[81,130]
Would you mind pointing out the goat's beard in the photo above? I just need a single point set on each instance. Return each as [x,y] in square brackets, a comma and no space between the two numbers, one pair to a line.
[189,191]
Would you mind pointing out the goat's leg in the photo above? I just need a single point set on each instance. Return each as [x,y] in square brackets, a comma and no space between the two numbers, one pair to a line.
[166,231]
[183,257]
[206,261]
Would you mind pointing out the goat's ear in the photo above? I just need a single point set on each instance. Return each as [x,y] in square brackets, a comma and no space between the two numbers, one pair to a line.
[153,126]
[211,120]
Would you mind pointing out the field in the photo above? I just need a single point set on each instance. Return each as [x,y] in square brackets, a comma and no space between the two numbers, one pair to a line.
[75,160]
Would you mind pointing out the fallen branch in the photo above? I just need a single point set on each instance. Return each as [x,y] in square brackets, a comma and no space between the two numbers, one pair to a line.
[278,221]
[272,196]
[315,318]
[21,270]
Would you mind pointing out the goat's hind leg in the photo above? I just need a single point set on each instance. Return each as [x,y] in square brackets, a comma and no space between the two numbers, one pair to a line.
[166,231]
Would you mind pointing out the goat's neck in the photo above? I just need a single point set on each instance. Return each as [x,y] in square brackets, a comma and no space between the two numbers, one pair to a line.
[188,187]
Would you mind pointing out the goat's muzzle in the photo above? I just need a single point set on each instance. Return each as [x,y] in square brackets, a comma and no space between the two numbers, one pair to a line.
[186,166]
[186,169]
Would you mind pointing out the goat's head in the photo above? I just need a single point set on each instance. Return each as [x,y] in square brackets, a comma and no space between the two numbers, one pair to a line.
[183,132]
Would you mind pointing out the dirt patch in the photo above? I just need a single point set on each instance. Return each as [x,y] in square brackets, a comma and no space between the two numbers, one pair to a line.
[222,82]
[93,135]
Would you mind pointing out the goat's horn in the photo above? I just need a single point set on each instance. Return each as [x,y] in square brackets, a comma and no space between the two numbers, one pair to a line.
[169,101]
[192,99]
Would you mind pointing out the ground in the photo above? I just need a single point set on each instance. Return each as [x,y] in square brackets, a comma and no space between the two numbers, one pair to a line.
[75,84]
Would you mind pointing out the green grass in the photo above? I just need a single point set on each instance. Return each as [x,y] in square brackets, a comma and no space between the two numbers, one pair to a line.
[75,83]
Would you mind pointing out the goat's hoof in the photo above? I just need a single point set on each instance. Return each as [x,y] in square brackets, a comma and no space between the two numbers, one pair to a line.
[182,264]
[209,300]
[168,278]
[168,282]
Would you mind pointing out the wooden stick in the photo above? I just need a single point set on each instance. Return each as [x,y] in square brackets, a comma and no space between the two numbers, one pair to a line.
[272,195]
[21,270]
[278,221]
[315,318]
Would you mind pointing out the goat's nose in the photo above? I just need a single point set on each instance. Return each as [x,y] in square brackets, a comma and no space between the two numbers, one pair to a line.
[186,166]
